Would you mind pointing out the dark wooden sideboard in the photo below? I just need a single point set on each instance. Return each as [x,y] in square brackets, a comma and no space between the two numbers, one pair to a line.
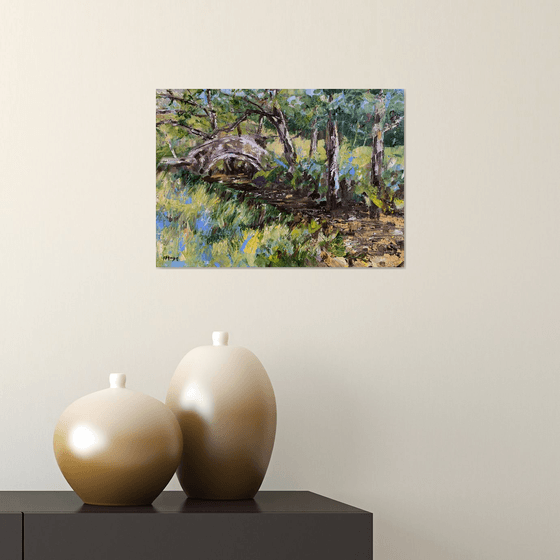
[273,526]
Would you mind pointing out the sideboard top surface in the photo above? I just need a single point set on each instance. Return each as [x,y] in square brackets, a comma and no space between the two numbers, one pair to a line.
[176,502]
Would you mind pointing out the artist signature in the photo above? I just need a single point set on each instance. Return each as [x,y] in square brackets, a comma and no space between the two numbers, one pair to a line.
[167,258]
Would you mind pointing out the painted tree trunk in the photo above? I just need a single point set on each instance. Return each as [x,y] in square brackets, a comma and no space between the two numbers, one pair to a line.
[355,136]
[171,148]
[313,145]
[332,148]
[279,122]
[378,150]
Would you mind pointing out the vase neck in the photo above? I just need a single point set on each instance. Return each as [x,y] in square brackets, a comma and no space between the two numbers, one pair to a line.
[117,380]
[220,338]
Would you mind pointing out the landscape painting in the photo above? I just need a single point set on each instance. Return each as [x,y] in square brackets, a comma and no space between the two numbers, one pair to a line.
[280,178]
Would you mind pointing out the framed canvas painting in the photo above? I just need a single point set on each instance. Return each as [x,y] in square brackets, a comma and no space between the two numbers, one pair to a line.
[280,178]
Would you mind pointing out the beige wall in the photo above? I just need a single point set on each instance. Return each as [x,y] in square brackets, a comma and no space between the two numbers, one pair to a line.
[429,396]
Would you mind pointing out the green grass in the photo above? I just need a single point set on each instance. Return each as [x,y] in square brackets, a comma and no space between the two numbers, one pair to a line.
[199,228]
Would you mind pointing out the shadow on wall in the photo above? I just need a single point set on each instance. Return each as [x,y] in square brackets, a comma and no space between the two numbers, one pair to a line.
[392,542]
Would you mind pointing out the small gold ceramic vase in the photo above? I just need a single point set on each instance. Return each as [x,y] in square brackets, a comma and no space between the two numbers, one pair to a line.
[118,447]
[225,405]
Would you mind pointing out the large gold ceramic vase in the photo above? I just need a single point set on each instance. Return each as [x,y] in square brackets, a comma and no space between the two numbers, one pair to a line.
[118,447]
[225,405]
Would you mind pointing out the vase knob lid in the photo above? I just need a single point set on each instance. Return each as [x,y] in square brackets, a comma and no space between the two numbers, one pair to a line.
[220,338]
[117,380]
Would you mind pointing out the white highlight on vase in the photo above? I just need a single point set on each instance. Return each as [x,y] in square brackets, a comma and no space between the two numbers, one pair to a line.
[193,393]
[85,441]
[192,398]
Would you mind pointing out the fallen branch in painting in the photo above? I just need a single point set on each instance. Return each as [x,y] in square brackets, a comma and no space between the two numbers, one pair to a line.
[239,153]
